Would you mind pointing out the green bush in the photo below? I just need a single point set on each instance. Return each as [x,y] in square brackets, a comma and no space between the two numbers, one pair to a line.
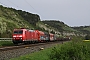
[71,51]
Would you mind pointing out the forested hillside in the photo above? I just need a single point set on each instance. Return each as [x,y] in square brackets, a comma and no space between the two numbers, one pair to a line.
[64,29]
[83,29]
[61,26]
[11,18]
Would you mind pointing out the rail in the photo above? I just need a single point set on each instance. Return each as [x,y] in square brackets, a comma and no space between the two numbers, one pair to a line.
[5,39]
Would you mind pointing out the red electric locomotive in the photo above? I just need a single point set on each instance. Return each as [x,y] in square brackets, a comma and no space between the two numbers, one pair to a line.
[25,35]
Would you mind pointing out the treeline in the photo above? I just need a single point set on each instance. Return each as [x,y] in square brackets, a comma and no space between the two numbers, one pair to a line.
[56,24]
[31,18]
[87,37]
[83,29]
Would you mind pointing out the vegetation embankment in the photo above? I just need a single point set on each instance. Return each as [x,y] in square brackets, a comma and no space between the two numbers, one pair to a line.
[74,50]
[6,43]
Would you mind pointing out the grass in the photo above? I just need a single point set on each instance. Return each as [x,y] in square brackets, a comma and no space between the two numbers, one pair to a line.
[6,43]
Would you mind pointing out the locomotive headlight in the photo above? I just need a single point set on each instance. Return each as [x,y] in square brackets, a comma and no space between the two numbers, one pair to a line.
[14,36]
[20,36]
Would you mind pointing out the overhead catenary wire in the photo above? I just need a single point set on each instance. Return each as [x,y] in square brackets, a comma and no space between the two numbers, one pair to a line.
[14,4]
[17,5]
[32,6]
[26,2]
[20,7]
[3,3]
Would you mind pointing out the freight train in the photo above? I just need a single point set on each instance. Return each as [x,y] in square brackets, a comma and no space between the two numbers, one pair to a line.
[23,35]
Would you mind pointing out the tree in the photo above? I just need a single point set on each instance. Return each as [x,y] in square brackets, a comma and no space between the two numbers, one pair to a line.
[87,37]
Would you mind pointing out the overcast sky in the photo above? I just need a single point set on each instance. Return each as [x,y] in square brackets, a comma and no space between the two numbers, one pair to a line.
[71,12]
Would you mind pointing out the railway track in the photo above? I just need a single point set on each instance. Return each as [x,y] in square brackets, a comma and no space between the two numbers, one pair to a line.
[6,53]
[25,46]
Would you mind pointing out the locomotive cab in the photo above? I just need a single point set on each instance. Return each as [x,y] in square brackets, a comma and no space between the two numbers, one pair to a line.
[18,36]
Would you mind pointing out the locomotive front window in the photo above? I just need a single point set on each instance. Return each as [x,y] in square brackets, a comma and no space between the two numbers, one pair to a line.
[18,32]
